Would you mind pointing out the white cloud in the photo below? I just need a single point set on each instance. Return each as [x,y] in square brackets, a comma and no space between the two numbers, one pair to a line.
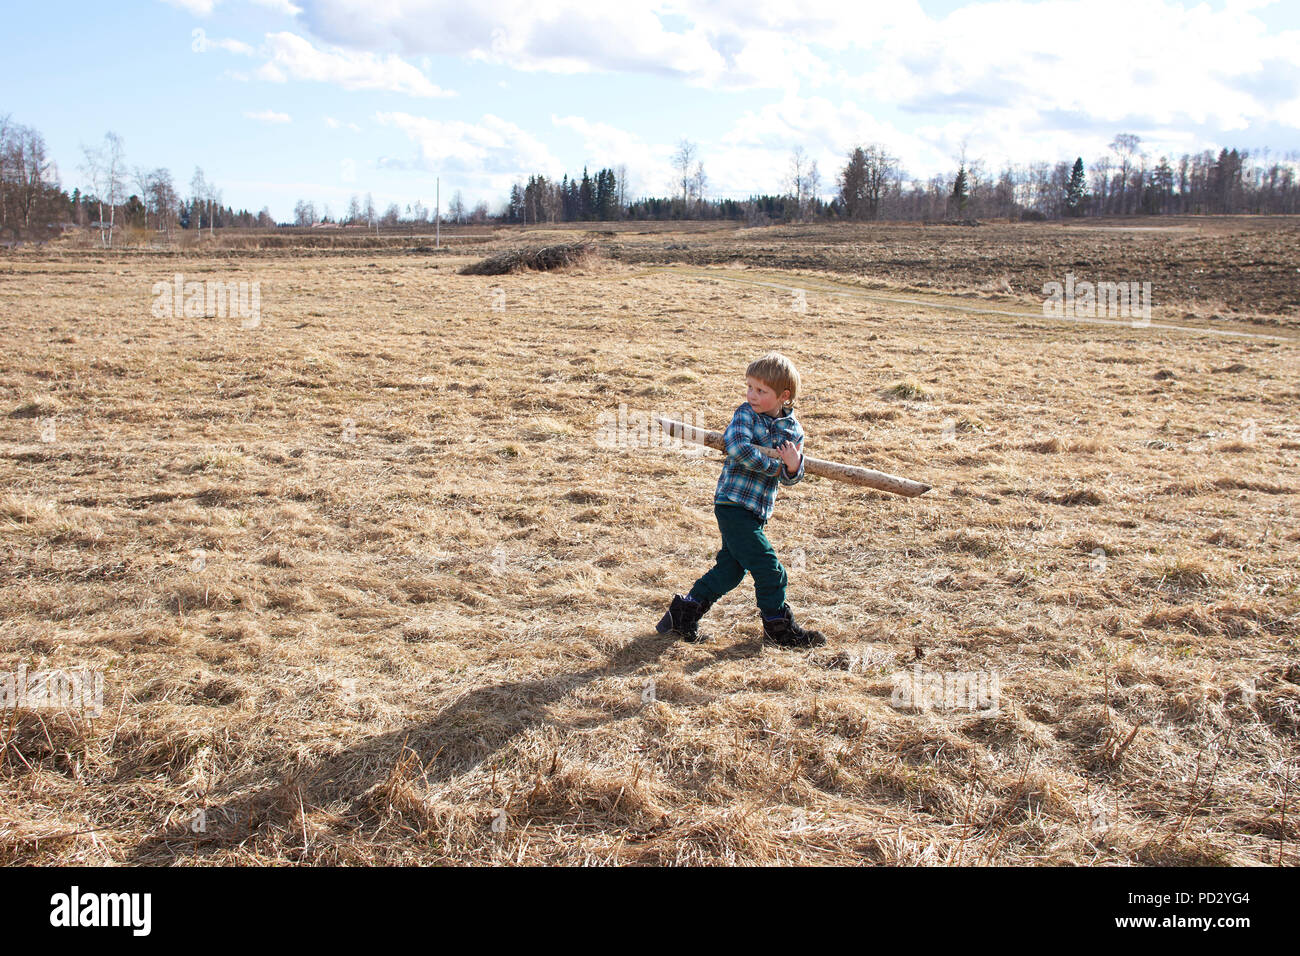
[1242,6]
[484,157]
[291,56]
[1014,81]
[811,122]
[563,36]
[1166,62]
[1067,62]
[1006,79]
[200,8]
[754,154]
[269,116]
[332,123]
[1289,113]
[280,6]
[605,145]
[230,46]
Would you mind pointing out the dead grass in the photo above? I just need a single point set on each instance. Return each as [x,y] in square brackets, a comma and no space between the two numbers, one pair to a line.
[366,589]
[908,390]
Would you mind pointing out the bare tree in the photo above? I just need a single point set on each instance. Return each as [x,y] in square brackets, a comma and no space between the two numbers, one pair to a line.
[28,180]
[198,197]
[699,182]
[456,210]
[141,179]
[979,179]
[204,194]
[621,174]
[7,175]
[354,209]
[104,169]
[33,168]
[162,199]
[1125,146]
[1101,168]
[304,213]
[795,183]
[683,159]
[803,180]
[214,204]
[26,176]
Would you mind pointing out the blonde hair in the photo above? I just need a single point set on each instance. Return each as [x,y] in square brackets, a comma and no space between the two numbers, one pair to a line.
[778,373]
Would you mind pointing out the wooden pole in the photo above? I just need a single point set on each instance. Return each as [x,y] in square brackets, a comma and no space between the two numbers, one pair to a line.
[866,477]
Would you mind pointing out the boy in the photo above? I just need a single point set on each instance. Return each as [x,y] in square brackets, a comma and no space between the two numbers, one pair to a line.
[743,502]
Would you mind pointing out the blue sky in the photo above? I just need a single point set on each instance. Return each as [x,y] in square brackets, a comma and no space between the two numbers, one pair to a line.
[280,100]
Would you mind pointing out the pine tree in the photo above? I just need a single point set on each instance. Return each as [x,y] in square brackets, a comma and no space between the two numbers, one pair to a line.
[1159,194]
[853,184]
[516,210]
[1076,190]
[586,196]
[606,199]
[568,199]
[960,191]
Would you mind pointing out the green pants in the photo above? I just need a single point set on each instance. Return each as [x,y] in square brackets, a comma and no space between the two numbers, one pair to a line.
[744,548]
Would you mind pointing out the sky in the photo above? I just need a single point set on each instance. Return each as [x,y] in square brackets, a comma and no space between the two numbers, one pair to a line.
[282,100]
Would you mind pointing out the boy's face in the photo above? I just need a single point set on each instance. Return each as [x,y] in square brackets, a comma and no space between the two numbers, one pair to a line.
[762,398]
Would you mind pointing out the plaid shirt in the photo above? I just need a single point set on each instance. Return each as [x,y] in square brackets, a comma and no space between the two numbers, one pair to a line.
[749,477]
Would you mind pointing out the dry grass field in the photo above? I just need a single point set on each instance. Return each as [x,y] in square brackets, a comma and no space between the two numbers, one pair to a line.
[365,587]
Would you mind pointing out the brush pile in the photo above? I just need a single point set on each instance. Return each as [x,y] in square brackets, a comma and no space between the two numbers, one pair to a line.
[559,256]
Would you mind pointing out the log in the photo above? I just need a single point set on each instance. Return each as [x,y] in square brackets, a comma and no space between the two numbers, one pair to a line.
[853,475]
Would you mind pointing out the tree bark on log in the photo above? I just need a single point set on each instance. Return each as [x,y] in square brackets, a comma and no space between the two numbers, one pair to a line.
[853,475]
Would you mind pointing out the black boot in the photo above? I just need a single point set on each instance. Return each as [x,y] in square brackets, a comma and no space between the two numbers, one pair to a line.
[784,632]
[684,618]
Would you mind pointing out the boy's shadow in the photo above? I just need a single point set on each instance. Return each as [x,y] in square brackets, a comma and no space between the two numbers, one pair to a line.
[454,741]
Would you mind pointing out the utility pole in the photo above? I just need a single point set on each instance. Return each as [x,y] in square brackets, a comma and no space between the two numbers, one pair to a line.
[437,214]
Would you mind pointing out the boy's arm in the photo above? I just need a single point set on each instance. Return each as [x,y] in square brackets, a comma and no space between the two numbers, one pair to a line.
[739,439]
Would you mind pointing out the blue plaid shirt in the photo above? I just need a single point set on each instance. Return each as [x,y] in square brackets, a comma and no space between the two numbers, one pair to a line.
[749,477]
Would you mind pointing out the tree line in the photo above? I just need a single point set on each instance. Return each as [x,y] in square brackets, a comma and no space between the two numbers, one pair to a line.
[1125,181]
[34,205]
[871,185]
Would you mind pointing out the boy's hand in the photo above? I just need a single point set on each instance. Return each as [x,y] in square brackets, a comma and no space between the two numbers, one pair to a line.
[792,455]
